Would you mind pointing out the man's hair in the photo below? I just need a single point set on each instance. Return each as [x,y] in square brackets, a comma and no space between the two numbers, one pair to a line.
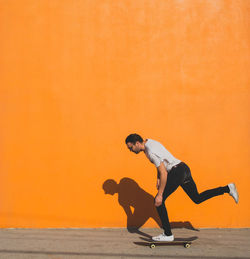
[133,138]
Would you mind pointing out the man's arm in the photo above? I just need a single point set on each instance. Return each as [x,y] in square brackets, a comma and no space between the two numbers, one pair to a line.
[163,175]
[158,180]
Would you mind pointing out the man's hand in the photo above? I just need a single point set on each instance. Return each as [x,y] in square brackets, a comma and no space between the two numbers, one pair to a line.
[158,200]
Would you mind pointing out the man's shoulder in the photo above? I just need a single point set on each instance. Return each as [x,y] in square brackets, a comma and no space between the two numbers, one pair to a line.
[152,144]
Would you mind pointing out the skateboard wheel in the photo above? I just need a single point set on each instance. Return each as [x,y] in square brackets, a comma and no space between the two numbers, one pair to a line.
[152,246]
[187,245]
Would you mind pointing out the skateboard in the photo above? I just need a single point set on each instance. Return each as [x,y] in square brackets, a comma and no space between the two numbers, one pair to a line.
[178,241]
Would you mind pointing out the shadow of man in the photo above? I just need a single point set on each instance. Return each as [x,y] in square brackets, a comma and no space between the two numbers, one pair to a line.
[137,203]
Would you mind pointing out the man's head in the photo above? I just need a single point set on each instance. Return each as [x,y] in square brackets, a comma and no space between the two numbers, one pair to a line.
[134,143]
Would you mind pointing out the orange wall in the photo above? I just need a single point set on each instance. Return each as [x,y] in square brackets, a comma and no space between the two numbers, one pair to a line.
[76,77]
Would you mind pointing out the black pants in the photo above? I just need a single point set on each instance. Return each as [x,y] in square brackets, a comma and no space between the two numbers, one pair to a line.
[180,175]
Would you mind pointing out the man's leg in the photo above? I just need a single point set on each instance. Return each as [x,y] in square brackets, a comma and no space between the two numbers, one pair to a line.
[162,211]
[190,188]
[175,178]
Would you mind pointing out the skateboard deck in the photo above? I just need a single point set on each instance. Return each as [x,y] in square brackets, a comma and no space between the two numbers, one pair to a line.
[178,241]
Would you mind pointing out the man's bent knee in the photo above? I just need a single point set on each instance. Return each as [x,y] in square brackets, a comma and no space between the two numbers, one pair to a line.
[197,200]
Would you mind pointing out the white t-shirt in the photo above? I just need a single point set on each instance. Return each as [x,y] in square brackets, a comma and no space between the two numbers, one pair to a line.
[157,153]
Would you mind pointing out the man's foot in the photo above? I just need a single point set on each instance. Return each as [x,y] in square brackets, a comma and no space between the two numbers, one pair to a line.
[163,237]
[233,192]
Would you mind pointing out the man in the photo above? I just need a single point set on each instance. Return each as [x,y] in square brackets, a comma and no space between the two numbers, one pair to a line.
[172,173]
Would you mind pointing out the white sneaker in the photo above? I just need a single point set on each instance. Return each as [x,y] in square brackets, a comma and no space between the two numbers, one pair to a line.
[233,192]
[163,237]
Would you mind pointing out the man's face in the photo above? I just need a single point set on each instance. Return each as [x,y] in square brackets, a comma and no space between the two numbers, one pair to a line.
[134,147]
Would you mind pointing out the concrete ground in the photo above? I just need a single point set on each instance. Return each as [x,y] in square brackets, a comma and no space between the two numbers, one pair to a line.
[119,243]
